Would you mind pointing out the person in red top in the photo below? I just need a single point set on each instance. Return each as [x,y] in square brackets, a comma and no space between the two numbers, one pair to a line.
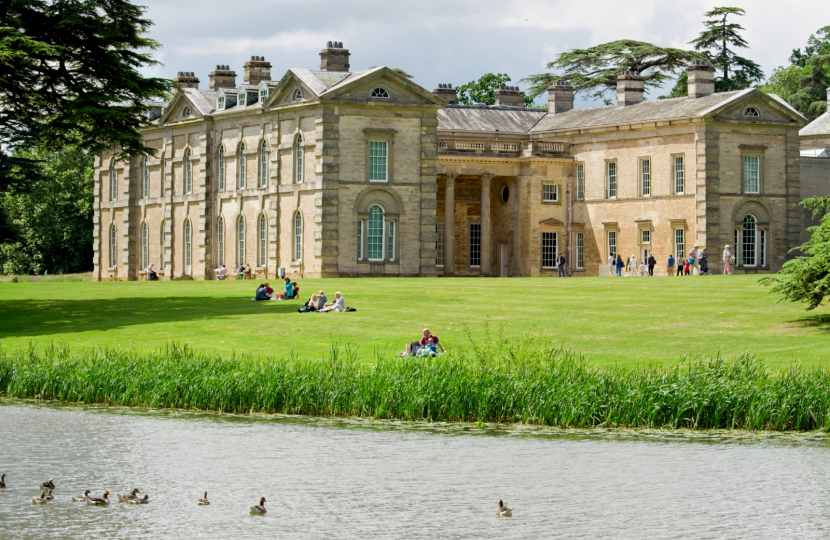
[415,346]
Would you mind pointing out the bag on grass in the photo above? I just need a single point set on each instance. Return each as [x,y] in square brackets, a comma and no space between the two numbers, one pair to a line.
[350,309]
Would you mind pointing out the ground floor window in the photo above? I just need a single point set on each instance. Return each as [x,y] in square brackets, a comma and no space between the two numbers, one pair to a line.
[475,244]
[220,243]
[263,237]
[113,246]
[612,243]
[750,248]
[439,244]
[679,244]
[240,241]
[359,240]
[390,247]
[549,249]
[162,245]
[298,236]
[187,247]
[580,250]
[145,246]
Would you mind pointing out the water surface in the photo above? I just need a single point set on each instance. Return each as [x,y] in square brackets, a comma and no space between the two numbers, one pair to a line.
[345,479]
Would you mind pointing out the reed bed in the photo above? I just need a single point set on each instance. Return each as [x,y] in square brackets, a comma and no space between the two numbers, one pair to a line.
[525,381]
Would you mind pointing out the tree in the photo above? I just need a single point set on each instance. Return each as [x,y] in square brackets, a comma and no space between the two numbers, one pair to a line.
[51,219]
[594,71]
[69,74]
[803,84]
[807,278]
[482,90]
[736,71]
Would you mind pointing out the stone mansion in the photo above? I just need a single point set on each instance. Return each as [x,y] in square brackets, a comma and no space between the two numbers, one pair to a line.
[364,173]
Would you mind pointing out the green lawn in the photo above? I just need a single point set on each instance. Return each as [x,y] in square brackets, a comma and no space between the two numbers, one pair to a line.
[626,321]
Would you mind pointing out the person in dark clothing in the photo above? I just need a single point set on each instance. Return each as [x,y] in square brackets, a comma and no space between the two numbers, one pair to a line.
[619,266]
[560,265]
[651,263]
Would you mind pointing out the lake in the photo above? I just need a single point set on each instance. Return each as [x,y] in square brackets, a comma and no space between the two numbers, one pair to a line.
[330,478]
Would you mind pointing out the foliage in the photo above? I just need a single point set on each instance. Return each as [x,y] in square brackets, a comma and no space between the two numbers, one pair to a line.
[52,218]
[807,278]
[69,70]
[680,88]
[593,71]
[525,381]
[402,73]
[803,84]
[484,90]
[718,41]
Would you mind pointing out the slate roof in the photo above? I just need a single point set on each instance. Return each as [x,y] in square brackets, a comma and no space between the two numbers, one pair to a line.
[488,118]
[321,82]
[819,126]
[204,101]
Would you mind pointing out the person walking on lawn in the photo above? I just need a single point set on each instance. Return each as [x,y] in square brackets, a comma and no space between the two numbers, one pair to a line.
[670,266]
[693,261]
[560,265]
[726,260]
[651,263]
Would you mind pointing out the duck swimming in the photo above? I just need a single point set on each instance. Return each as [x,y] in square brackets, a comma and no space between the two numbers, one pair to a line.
[81,498]
[204,501]
[145,500]
[260,508]
[48,495]
[40,500]
[46,486]
[503,511]
[131,497]
[95,501]
[3,480]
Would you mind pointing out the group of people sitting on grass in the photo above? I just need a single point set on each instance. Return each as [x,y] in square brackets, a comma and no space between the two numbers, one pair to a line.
[429,345]
[320,303]
[266,292]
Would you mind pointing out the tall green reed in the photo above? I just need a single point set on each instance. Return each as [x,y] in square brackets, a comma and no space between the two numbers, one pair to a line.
[494,380]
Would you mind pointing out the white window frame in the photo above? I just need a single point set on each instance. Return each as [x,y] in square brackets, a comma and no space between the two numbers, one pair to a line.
[145,246]
[392,231]
[611,245]
[220,242]
[188,173]
[221,169]
[188,247]
[580,181]
[162,245]
[263,164]
[745,176]
[546,193]
[611,179]
[262,244]
[145,180]
[645,177]
[263,95]
[298,236]
[113,182]
[374,160]
[546,250]
[372,234]
[113,246]
[299,158]
[679,245]
[474,254]
[645,236]
[240,240]
[220,103]
[749,249]
[241,168]
[751,112]
[298,95]
[380,93]
[580,250]
[679,174]
[439,244]
[359,239]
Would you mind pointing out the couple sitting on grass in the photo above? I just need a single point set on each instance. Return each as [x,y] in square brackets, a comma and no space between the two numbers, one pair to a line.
[266,292]
[319,302]
[428,346]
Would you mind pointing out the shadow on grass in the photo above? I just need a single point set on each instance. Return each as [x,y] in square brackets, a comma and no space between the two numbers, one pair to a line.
[22,318]
[822,322]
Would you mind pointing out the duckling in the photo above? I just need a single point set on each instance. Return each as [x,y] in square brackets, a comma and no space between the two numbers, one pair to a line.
[3,480]
[130,497]
[145,500]
[81,498]
[48,496]
[503,511]
[205,501]
[40,500]
[95,501]
[258,509]
[46,486]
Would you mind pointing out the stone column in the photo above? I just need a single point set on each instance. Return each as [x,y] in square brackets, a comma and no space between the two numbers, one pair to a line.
[486,227]
[449,225]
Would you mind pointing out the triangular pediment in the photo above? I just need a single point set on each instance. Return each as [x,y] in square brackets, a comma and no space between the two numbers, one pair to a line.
[181,109]
[399,88]
[756,105]
[551,222]
[285,92]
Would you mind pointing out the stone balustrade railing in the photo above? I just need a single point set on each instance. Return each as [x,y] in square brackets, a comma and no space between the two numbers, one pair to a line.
[469,147]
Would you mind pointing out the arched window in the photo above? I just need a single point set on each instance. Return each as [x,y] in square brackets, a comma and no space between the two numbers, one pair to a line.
[145,246]
[263,164]
[221,169]
[241,166]
[162,246]
[145,180]
[298,95]
[375,234]
[113,246]
[749,241]
[240,241]
[188,173]
[220,242]
[298,158]
[113,182]
[261,248]
[186,112]
[298,236]
[751,112]
[187,246]
[380,93]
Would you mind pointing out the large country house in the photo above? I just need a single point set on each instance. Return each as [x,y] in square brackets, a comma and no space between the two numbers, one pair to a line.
[364,173]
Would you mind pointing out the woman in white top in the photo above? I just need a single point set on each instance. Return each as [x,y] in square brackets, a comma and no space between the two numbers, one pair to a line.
[612,264]
[727,257]
[632,266]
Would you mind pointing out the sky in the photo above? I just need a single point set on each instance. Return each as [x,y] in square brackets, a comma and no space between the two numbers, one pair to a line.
[451,41]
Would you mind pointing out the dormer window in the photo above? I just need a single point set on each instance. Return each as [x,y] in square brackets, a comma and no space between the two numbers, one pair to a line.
[186,112]
[241,100]
[263,95]
[751,112]
[298,95]
[221,103]
[380,93]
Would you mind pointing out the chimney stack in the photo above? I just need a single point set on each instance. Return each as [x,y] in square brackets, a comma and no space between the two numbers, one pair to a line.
[701,76]
[446,92]
[256,71]
[187,79]
[334,57]
[510,96]
[222,77]
[630,88]
[560,97]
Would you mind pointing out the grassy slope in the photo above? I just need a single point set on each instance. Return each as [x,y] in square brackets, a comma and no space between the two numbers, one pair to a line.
[625,321]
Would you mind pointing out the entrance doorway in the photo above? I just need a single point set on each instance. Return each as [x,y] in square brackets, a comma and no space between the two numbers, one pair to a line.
[504,259]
